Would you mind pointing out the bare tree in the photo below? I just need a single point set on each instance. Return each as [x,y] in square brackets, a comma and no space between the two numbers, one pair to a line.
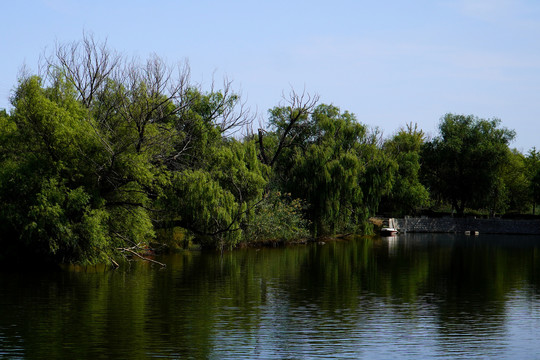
[125,98]
[152,95]
[86,64]
[120,92]
[230,114]
[298,106]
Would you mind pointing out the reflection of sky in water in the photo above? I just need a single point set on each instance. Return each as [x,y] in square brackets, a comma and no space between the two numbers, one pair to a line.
[379,329]
[404,297]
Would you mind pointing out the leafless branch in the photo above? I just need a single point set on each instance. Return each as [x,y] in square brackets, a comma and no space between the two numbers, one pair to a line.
[86,64]
[298,106]
[132,252]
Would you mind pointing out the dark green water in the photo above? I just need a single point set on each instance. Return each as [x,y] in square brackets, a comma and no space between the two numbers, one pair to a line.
[430,296]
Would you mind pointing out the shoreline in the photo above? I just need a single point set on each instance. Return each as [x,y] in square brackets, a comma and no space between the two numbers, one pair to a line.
[463,225]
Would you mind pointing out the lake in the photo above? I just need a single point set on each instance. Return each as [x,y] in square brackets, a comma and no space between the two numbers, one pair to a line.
[406,297]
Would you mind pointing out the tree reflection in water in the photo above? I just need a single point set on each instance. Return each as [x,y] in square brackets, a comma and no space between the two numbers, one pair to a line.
[409,297]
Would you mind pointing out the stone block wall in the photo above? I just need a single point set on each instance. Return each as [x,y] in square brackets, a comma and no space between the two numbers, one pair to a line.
[460,225]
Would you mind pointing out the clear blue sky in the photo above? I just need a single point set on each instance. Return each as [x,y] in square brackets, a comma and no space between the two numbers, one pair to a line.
[390,62]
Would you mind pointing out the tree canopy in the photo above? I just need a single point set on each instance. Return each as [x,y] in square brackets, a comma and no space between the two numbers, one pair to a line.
[462,164]
[333,163]
[102,157]
[408,194]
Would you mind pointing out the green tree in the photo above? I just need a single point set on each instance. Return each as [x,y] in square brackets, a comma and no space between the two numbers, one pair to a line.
[535,189]
[335,166]
[168,157]
[289,126]
[408,193]
[516,184]
[94,147]
[215,201]
[532,167]
[47,187]
[462,164]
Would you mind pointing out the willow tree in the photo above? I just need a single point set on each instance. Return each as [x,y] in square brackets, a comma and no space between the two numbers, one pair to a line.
[88,160]
[335,166]
[213,202]
[94,145]
[51,204]
[288,126]
[164,138]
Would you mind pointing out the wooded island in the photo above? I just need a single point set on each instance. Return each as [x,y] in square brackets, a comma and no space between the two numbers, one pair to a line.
[102,157]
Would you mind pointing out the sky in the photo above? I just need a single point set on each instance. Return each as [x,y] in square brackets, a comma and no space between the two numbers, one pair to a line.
[390,62]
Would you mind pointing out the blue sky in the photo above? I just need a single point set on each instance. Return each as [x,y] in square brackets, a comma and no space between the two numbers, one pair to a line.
[389,62]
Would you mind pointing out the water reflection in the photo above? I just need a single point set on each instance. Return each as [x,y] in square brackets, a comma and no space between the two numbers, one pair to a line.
[412,296]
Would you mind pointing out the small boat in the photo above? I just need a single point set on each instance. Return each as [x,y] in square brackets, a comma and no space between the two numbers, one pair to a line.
[387,231]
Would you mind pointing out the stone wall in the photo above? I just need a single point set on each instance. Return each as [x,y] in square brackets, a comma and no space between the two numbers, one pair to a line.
[460,225]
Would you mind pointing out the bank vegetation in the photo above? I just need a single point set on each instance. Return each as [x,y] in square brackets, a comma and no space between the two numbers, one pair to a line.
[102,157]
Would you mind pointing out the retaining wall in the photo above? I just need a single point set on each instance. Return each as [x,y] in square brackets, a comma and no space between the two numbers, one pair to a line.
[459,225]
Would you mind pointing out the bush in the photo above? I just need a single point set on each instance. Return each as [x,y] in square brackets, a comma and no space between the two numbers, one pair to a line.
[278,218]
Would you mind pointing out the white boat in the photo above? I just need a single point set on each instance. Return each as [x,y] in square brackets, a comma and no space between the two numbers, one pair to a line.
[387,231]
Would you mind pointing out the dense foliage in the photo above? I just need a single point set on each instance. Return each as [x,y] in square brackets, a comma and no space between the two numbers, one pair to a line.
[408,193]
[335,166]
[463,165]
[99,155]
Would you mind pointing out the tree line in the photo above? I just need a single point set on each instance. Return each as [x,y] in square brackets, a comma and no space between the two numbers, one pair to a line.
[102,157]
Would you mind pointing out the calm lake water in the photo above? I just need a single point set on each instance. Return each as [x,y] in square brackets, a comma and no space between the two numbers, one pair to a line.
[408,297]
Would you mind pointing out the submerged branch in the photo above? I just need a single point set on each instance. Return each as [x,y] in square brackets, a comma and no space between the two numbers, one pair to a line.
[141,257]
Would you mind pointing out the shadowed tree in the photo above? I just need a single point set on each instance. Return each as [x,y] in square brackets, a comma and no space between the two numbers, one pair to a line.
[532,167]
[334,164]
[407,194]
[97,141]
[462,164]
